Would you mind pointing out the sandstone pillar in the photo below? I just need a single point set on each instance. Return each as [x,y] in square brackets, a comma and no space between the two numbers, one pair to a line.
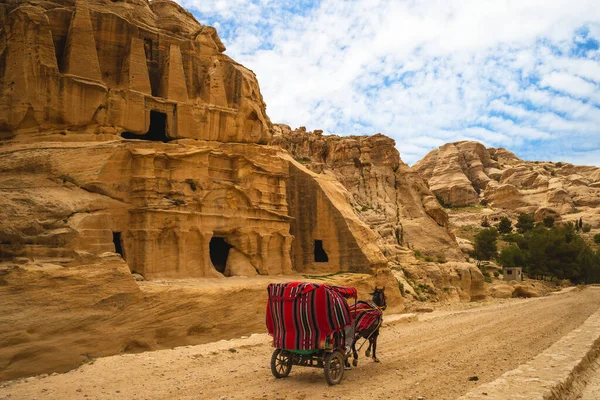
[173,85]
[81,57]
[217,96]
[286,264]
[264,254]
[134,73]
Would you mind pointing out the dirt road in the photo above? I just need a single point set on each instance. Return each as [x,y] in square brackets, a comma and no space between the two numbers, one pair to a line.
[433,358]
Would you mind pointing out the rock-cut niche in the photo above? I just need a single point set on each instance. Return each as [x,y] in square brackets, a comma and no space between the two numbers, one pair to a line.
[117,241]
[219,251]
[157,131]
[320,253]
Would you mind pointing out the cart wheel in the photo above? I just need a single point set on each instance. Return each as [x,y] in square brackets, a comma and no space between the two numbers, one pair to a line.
[334,367]
[281,363]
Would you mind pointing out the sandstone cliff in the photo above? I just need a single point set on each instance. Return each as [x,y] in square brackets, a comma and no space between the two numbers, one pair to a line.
[464,173]
[127,129]
[412,229]
[129,143]
[387,194]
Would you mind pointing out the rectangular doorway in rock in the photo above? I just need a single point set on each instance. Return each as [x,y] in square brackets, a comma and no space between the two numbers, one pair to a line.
[219,251]
[118,244]
[157,131]
[320,254]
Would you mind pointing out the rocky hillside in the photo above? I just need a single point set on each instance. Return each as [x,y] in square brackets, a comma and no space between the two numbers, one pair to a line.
[467,173]
[412,229]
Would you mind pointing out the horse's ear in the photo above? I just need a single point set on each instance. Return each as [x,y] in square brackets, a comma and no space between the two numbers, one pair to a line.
[383,289]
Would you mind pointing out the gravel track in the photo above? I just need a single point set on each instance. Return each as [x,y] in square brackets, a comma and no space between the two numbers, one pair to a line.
[433,358]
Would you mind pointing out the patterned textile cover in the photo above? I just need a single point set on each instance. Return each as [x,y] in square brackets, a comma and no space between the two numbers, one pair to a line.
[300,316]
[365,314]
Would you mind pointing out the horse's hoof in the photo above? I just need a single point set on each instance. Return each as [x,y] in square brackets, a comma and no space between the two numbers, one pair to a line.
[368,353]
[376,359]
[355,363]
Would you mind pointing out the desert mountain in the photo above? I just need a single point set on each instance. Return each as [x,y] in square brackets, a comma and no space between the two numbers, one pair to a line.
[467,173]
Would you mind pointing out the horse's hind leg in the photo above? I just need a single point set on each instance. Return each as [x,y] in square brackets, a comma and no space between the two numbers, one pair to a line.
[368,351]
[354,352]
[375,348]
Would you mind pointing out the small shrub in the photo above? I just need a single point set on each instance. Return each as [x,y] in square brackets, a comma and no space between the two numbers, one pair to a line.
[505,225]
[440,258]
[442,202]
[549,221]
[487,279]
[597,238]
[485,223]
[483,202]
[559,164]
[586,228]
[401,288]
[496,274]
[428,258]
[418,254]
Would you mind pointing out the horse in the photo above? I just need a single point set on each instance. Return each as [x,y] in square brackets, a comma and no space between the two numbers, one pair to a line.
[368,316]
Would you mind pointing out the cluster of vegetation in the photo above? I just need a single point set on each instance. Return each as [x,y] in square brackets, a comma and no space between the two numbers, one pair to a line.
[440,200]
[544,250]
[439,258]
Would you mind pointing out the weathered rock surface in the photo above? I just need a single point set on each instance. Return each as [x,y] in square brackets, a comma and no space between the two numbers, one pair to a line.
[91,67]
[198,182]
[463,173]
[125,129]
[388,196]
[55,318]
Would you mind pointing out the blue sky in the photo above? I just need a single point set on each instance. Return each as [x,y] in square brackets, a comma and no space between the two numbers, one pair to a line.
[524,75]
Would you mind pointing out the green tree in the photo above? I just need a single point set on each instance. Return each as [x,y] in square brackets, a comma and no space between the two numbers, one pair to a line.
[512,256]
[549,221]
[485,247]
[525,223]
[505,225]
[589,264]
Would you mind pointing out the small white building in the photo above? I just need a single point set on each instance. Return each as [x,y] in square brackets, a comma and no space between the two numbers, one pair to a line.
[513,273]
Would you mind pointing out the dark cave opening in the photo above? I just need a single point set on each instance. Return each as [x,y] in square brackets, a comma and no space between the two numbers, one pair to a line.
[219,251]
[320,254]
[157,131]
[117,241]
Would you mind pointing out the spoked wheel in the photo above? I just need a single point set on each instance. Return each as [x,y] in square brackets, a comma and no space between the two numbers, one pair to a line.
[334,367]
[281,363]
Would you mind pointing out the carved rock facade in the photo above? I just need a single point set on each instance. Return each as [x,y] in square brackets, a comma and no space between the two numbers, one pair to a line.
[125,128]
[389,196]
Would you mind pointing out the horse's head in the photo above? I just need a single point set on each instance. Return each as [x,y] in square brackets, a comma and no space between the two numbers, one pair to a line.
[379,297]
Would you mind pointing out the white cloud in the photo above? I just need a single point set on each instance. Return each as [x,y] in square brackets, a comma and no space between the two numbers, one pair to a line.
[569,84]
[505,72]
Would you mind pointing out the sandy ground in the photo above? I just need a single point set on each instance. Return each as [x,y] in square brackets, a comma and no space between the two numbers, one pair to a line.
[592,390]
[432,358]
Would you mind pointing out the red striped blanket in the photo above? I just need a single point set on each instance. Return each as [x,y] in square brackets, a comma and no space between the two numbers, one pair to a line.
[300,316]
[365,314]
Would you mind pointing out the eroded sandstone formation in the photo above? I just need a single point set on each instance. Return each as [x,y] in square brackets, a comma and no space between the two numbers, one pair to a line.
[135,67]
[464,173]
[388,196]
[125,128]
